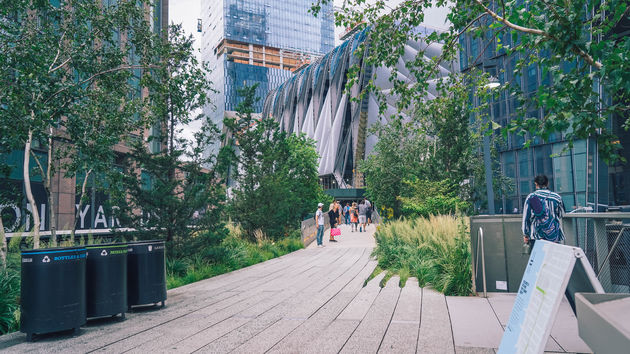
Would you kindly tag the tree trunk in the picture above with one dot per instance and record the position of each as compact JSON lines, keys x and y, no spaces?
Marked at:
{"x":53,"y":219}
{"x":47,"y":183}
{"x":77,"y":212}
{"x":46,"y":179}
{"x":27,"y":187}
{"x":3,"y":246}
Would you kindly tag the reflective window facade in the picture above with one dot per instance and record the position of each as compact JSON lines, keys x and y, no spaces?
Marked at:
{"x":577,"y":173}
{"x":266,"y":34}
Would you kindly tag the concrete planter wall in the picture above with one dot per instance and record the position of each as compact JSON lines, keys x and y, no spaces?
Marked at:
{"x":604,"y":238}
{"x":503,"y":250}
{"x":309,"y":229}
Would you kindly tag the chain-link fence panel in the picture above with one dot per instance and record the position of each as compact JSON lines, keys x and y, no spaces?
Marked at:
{"x":605,"y":239}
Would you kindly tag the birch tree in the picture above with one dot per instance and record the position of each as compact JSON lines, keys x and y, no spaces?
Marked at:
{"x":59,"y":60}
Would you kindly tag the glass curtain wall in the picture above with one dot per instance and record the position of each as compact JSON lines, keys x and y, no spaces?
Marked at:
{"x":576,"y":173}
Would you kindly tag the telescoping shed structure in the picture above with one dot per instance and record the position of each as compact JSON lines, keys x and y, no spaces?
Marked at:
{"x":314,"y":102}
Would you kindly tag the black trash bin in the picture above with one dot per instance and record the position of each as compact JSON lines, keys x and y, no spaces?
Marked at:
{"x":53,"y":290}
{"x":146,"y":273}
{"x":106,"y":280}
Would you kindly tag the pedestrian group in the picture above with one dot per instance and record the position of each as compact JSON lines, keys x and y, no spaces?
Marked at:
{"x":358,"y":216}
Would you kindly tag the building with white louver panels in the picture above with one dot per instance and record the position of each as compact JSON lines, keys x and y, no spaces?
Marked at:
{"x":314,"y":102}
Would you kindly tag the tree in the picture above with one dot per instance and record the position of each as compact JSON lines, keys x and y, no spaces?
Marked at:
{"x":164,"y":175}
{"x":578,"y":44}
{"x":94,"y":127}
{"x":275,"y":172}
{"x":425,"y":163}
{"x":5,"y":198}
{"x":8,"y":142}
{"x":59,"y":63}
{"x":432,"y":197}
{"x":398,"y":155}
{"x":446,"y":119}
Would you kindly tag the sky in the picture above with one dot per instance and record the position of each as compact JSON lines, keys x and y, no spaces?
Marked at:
{"x":186,"y":13}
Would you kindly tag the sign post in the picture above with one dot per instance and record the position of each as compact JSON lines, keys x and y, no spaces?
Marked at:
{"x":550,"y":270}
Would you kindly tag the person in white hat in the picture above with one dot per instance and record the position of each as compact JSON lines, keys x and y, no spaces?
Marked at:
{"x":319,"y":221}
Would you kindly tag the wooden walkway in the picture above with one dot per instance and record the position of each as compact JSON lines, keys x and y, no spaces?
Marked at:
{"x":310,"y":301}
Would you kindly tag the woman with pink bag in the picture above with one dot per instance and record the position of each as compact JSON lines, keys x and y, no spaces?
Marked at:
{"x":333,"y":215}
{"x":354,"y":216}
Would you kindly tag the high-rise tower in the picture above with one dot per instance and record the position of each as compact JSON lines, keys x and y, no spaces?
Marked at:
{"x":258,"y":41}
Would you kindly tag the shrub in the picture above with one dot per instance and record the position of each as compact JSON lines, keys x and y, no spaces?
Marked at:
{"x":10,"y":289}
{"x":424,"y":198}
{"x":9,"y":307}
{"x":436,"y":250}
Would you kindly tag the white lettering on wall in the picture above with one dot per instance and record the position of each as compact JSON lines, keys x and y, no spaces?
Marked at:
{"x":42,"y":217}
{"x":18,"y":216}
{"x":100,"y":218}
{"x":82,"y":214}
{"x":112,"y":220}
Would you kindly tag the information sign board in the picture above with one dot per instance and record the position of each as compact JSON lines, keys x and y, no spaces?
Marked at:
{"x":542,"y":288}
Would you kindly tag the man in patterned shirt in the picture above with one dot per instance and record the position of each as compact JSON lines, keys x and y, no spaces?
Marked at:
{"x":542,"y":214}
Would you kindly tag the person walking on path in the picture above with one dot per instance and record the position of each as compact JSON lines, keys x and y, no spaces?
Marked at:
{"x":333,"y":215}
{"x":339,"y":211}
{"x":346,"y":213}
{"x":319,"y":221}
{"x":362,"y":216}
{"x":542,"y":214}
{"x":368,"y":211}
{"x":354,"y":216}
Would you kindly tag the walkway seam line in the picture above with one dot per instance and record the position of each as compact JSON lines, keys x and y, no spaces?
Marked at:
{"x":198,"y":309}
{"x":391,"y":317}
{"x":274,"y":306}
{"x":331,"y":298}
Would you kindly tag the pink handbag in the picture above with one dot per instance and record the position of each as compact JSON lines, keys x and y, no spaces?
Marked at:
{"x":335,"y":232}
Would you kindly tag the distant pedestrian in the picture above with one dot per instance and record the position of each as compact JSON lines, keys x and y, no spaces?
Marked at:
{"x":368,"y":211}
{"x":333,"y":216}
{"x":339,"y":212}
{"x":346,"y":213}
{"x":542,"y":214}
{"x":362,"y":216}
{"x":354,"y":216}
{"x":319,"y":221}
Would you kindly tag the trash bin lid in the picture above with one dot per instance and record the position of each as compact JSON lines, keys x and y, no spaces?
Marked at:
{"x":54,"y":250}
{"x":107,"y":249}
{"x":145,"y":246}
{"x":46,"y":255}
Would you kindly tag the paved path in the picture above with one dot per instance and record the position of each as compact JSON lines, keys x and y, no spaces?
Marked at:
{"x":310,"y":301}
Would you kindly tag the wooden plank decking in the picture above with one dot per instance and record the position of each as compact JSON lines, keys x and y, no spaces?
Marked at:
{"x":310,"y":301}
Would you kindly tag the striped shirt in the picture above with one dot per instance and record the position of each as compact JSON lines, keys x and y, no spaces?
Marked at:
{"x":553,"y":202}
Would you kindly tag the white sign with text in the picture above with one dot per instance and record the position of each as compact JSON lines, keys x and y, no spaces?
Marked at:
{"x":543,"y":286}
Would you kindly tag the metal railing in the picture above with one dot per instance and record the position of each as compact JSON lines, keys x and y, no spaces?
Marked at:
{"x":483,"y":262}
{"x":376,"y":217}
{"x":605,"y":239}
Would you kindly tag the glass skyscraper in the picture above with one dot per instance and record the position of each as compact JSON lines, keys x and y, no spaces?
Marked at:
{"x":259,"y":41}
{"x":578,"y":174}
